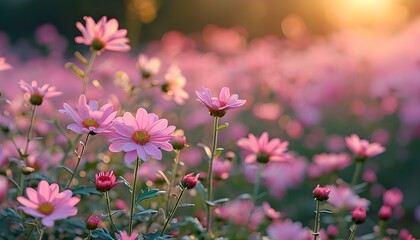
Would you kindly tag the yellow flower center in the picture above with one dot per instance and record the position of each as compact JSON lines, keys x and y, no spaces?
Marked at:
{"x":140,"y":137}
{"x":46,"y":208}
{"x":90,"y":123}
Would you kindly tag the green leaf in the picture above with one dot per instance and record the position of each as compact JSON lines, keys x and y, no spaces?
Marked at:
{"x":218,"y":152}
{"x":200,"y":188}
{"x":186,"y":205}
{"x":40,"y":176}
{"x":85,"y":191}
{"x":196,"y":225}
{"x":141,"y":215}
{"x":79,"y":72}
{"x":67,"y":169}
{"x":148,"y":193}
{"x":206,"y":150}
{"x":360,"y":187}
{"x":126,"y":183}
{"x":326,"y":211}
{"x":221,"y":200}
{"x":11,"y":215}
{"x":225,"y":125}
{"x":101,"y":233}
{"x":156,"y":236}
{"x":80,"y":57}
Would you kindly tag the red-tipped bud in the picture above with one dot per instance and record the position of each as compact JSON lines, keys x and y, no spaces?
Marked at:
{"x":385,"y":212}
{"x":321,"y":193}
{"x":189,"y":181}
{"x":105,"y":181}
{"x":358,"y":215}
{"x":92,"y":222}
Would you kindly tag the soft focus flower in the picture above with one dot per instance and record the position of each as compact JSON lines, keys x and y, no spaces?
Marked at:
{"x":332,"y":162}
{"x":103,"y":35}
{"x":37,"y":94}
{"x":369,"y":176}
{"x":343,"y":197}
{"x":362,"y":148}
{"x":321,"y":193}
{"x":142,"y":136}
{"x":105,"y":181}
{"x":263,"y":150}
{"x":237,"y":212}
{"x":218,"y":106}
{"x":358,"y":215}
{"x":124,"y":236}
{"x":333,"y":231}
{"x":221,"y":168}
{"x":174,"y":85}
{"x":385,"y":212}
{"x":270,"y":212}
{"x":89,"y":118}
{"x":4,"y":65}
{"x":148,"y":67}
{"x":92,"y":222}
{"x":4,"y":187}
{"x":288,"y":230}
{"x":189,"y":181}
{"x":405,"y":235}
{"x":393,"y":197}
{"x":178,"y":141}
{"x":47,"y":203}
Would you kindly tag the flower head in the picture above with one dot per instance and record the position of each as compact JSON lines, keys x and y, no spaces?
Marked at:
{"x":362,"y":148}
{"x":385,"y":212}
{"x":288,"y":230}
{"x":270,"y":212}
{"x":332,"y":162}
{"x":37,"y":94}
{"x":92,"y":222}
{"x":124,"y":236}
{"x":148,"y":67}
{"x":141,"y":136}
{"x":89,"y":118}
{"x":48,"y":204}
{"x":321,"y":193}
{"x":174,"y":85}
{"x":218,"y":106}
{"x":189,"y":181}
{"x":263,"y":150}
{"x":4,"y":65}
{"x":343,"y":197}
{"x":179,"y":141}
{"x":358,"y":215}
{"x":393,"y":197}
{"x":105,"y":181}
{"x":103,"y":35}
{"x":222,"y":168}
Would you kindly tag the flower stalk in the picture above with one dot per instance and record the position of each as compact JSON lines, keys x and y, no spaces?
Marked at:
{"x":173,"y":176}
{"x":133,"y":195}
{"x":352,"y":231}
{"x":173,"y":211}
{"x":79,"y":157}
{"x":88,"y":70}
{"x":357,"y":172}
{"x":108,"y":204}
{"x":258,"y":182}
{"x":317,"y":221}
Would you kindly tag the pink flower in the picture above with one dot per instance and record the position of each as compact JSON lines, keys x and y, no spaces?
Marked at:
{"x":92,"y":222}
{"x":88,"y":118}
{"x":344,"y":197}
{"x":393,"y":197}
{"x":321,"y":193}
{"x":105,"y":181}
{"x":288,"y":230}
{"x":221,"y":168}
{"x":174,"y":85}
{"x":4,"y":187}
{"x":332,"y":162}
{"x":103,"y":35}
{"x":362,"y":148}
{"x":218,"y":106}
{"x":142,"y":136}
{"x":358,"y":215}
{"x":37,"y":94}
{"x":124,"y":236}
{"x":189,"y":181}
{"x":47,"y":203}
{"x":270,"y":212}
{"x":4,"y":65}
{"x":262,"y":150}
{"x":148,"y":67}
{"x":385,"y":212}
{"x":178,"y":141}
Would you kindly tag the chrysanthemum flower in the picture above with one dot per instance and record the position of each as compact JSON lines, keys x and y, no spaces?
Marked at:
{"x":105,"y":181}
{"x":148,"y":67}
{"x":4,"y":65}
{"x":362,"y":148}
{"x":103,"y":35}
{"x":174,"y":85}
{"x":262,"y":150}
{"x":37,"y":94}
{"x":88,"y":118}
{"x":218,"y":106}
{"x":124,"y":236}
{"x":332,"y":162}
{"x":142,"y":136}
{"x":48,"y":204}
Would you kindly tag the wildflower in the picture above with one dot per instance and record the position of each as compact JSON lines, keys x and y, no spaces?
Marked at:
{"x":178,"y":141}
{"x":321,"y":193}
{"x":262,"y":150}
{"x":103,"y":35}
{"x":88,"y":118}
{"x":222,"y":168}
{"x":270,"y":212}
{"x":124,"y":236}
{"x":47,"y":203}
{"x":332,"y":231}
{"x":219,"y":106}
{"x":369,"y":176}
{"x":4,"y":187}
{"x":174,"y":85}
{"x":332,"y":162}
{"x":189,"y":181}
{"x":343,"y":197}
{"x":142,"y":136}
{"x":148,"y":67}
{"x":288,"y":230}
{"x":362,"y":148}
{"x":358,"y":215}
{"x":92,"y":222}
{"x":37,"y":94}
{"x":4,"y":65}
{"x":393,"y":197}
{"x":385,"y":212}
{"x":105,"y":181}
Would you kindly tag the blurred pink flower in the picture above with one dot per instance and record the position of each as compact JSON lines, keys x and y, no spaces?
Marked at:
{"x":89,"y":118}
{"x":47,"y":203}
{"x":385,"y":212}
{"x":218,"y":106}
{"x":37,"y":94}
{"x":362,"y":148}
{"x":148,"y":67}
{"x":237,"y":212}
{"x":4,"y":187}
{"x":358,"y":215}
{"x":4,"y":65}
{"x":332,"y":162}
{"x":103,"y":35}
{"x":393,"y":197}
{"x":321,"y":193}
{"x":142,"y":136}
{"x":124,"y":236}
{"x":288,"y":230}
{"x":174,"y":85}
{"x":343,"y":197}
{"x":263,"y":150}
{"x":270,"y":212}
{"x":221,"y":168}
{"x":189,"y":181}
{"x":369,"y":176}
{"x":105,"y":181}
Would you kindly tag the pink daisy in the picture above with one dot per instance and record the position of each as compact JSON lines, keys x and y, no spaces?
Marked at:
{"x":48,"y":204}
{"x":174,"y":85}
{"x":262,"y":150}
{"x":288,"y":230}
{"x":103,"y":35}
{"x":37,"y":94}
{"x":393,"y":197}
{"x":88,"y":118}
{"x":332,"y":162}
{"x":218,"y":106}
{"x":142,"y":136}
{"x":4,"y":65}
{"x":362,"y":148}
{"x":124,"y":236}
{"x":148,"y":67}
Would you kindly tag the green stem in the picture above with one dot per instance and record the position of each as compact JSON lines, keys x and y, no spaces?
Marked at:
{"x":29,"y":132}
{"x":41,"y":234}
{"x":133,"y":195}
{"x":29,"y":234}
{"x":381,"y":229}
{"x":357,"y":172}
{"x":210,"y":173}
{"x":87,"y":71}
{"x":173,"y":212}
{"x":352,"y":231}
{"x":89,"y":233}
{"x":173,"y":176}
{"x":317,"y":221}
{"x":258,"y":182}
{"x":108,"y":203}
{"x":79,"y":157}
{"x":22,"y":184}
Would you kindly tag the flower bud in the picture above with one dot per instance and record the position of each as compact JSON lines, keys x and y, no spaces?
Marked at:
{"x":358,"y":215}
{"x":321,"y":193}
{"x":105,"y":181}
{"x":92,"y":222}
{"x":189,"y":181}
{"x":385,"y":212}
{"x":27,"y":170}
{"x":332,"y":231}
{"x":178,"y":141}
{"x":393,"y":197}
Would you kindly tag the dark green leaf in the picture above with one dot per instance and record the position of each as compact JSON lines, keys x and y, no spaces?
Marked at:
{"x":67,"y":169}
{"x":141,"y":215}
{"x":200,"y":188}
{"x":40,"y":176}
{"x":101,"y":233}
{"x":85,"y":191}
{"x":155,"y":236}
{"x":126,"y":183}
{"x":148,"y":193}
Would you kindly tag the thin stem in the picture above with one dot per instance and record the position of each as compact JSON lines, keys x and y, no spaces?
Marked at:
{"x":210,"y":173}
{"x":258,"y":182}
{"x":29,"y":132}
{"x":357,"y":172}
{"x":89,"y":233}
{"x":381,"y":228}
{"x":29,"y":234}
{"x":352,"y":231}
{"x":87,"y":71}
{"x":133,"y":195}
{"x":108,"y":203}
{"x":79,"y":157}
{"x":41,"y":234}
{"x":22,"y":184}
{"x":173,"y":211}
{"x":173,"y":176}
{"x":317,"y":221}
